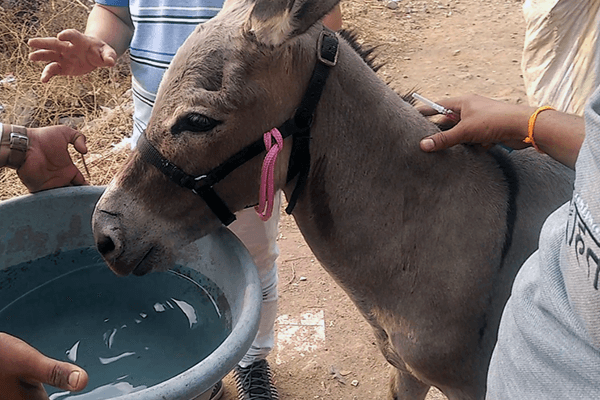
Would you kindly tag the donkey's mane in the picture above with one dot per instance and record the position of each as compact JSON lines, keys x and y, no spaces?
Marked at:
{"x":367,"y":53}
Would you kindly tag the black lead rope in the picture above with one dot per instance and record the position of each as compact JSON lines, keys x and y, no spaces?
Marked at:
{"x":298,"y":127}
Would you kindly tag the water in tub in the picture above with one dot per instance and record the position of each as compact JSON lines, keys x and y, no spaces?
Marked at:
{"x":127,"y":333}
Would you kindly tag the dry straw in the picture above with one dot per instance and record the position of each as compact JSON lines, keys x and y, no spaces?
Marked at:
{"x":99,"y":104}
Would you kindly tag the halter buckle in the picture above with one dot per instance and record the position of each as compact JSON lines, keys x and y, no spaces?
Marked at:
{"x":327,"y":48}
{"x":198,"y":180}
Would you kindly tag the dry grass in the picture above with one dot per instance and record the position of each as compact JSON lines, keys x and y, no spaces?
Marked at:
{"x":99,"y":104}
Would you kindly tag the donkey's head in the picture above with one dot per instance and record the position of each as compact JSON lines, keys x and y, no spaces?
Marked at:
{"x":235,"y":78}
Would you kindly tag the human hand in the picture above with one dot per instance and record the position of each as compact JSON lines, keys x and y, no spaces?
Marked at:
{"x":48,"y":163}
{"x":480,"y":121}
{"x":24,"y":370}
{"x":71,"y":53}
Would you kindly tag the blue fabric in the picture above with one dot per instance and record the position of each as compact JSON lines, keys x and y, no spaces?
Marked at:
{"x":549,"y":339}
{"x":161,"y":27}
{"x":114,"y":3}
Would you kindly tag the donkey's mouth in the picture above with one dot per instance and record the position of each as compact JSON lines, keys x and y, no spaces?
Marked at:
{"x":143,"y":267}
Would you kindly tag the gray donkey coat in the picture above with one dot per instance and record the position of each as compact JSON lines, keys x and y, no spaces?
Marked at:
{"x":425,"y":245}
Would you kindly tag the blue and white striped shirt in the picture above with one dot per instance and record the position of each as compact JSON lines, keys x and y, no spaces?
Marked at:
{"x":161,"y":27}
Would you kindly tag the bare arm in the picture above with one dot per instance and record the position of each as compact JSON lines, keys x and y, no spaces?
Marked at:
{"x":108,"y":34}
{"x":333,"y":20}
{"x":487,"y":122}
{"x":112,"y":25}
{"x":560,"y":135}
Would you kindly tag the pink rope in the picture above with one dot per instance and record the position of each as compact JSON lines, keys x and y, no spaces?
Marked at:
{"x":267,"y":180}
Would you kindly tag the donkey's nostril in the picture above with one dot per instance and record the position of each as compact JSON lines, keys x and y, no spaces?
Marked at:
{"x":105,"y":245}
{"x":107,"y":234}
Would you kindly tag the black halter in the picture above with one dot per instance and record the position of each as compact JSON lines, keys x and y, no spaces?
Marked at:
{"x":298,"y":127}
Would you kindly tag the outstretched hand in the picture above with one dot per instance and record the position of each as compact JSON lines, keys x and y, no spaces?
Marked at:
{"x":24,"y":370}
{"x":48,"y":163}
{"x":71,"y":53}
{"x":481,"y":121}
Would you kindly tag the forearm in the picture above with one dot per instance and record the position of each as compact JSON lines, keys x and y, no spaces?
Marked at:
{"x":486,"y":121}
{"x":333,"y":20}
{"x":560,"y":135}
{"x":555,"y":133}
{"x":112,"y":25}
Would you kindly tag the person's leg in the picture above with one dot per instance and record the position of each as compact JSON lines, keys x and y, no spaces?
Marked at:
{"x":252,"y":374}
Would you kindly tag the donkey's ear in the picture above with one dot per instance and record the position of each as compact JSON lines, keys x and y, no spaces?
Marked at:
{"x":274,"y":21}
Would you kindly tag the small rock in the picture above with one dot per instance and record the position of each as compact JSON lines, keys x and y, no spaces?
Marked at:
{"x":391,"y":4}
{"x":456,"y":52}
{"x":354,"y":382}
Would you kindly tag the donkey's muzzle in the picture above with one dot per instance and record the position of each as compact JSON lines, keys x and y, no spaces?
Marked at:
{"x":108,"y":237}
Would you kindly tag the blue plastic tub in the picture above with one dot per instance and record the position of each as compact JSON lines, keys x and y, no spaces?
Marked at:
{"x":57,"y":222}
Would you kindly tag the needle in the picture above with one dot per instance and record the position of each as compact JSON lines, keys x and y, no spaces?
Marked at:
{"x":437,"y":107}
{"x":448,"y":113}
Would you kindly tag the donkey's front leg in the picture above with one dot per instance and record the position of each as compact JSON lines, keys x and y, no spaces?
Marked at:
{"x":404,"y":386}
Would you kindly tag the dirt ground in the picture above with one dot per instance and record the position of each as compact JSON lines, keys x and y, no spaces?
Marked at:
{"x":325,"y":350}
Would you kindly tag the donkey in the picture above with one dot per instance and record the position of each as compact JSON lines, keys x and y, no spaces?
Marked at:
{"x":425,"y":245}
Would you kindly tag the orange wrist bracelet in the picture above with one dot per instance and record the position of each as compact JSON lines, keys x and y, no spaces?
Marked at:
{"x":531,"y":124}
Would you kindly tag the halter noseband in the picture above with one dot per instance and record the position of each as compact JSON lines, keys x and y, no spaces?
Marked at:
{"x":298,"y":127}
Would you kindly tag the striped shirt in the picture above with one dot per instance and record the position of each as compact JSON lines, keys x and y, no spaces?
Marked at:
{"x":161,"y":27}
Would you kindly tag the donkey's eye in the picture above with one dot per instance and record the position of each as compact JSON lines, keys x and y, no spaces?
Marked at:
{"x":194,"y":122}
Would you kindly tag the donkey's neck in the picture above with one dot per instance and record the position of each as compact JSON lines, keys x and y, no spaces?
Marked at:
{"x":367,"y":169}
{"x":364,"y":119}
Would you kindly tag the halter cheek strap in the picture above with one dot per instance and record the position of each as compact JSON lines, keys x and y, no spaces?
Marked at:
{"x":299,"y":126}
{"x":200,"y":185}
